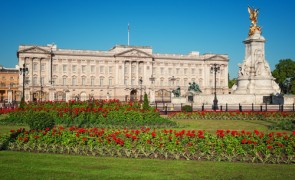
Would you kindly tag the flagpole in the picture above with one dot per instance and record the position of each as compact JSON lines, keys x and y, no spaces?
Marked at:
{"x":128,"y":33}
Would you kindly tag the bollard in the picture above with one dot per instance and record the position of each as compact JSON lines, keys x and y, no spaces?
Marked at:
{"x":166,"y":112}
{"x":180,"y":106}
{"x":226,"y":107}
{"x":240,"y":107}
{"x":203,"y":107}
{"x":265,"y":106}
{"x":192,"y":107}
{"x":252,"y":107}
{"x":221,"y":108}
{"x":261,"y":108}
{"x":282,"y":108}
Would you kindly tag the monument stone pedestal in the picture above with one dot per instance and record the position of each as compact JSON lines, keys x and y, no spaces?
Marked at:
{"x":254,"y":74}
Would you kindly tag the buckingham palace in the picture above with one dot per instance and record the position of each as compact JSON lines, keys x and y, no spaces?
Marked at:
{"x":123,"y":72}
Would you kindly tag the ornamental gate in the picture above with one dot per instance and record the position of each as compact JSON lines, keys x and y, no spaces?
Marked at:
{"x":163,"y":96}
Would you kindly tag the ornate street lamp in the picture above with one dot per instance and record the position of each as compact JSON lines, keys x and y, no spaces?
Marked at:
{"x":23,"y":71}
{"x":41,"y":92}
{"x":172,"y":79}
{"x":215,"y":68}
{"x":152,"y":78}
{"x":140,"y":82}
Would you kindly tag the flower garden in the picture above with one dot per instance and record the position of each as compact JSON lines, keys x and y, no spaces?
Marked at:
{"x":112,"y":128}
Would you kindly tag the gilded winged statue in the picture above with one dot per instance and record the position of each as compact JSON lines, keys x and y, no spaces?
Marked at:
{"x":253,"y":17}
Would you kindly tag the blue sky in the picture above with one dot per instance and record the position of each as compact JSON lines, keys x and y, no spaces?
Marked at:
{"x":169,"y":26}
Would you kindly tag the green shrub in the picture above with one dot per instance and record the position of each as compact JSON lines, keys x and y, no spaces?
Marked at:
{"x":22,"y":103}
{"x":39,"y":120}
{"x":284,"y":125}
{"x":186,"y":108}
{"x":145,"y":102}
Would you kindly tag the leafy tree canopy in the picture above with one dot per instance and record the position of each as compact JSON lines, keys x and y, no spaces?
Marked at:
{"x":285,"y":69}
{"x":231,"y":82}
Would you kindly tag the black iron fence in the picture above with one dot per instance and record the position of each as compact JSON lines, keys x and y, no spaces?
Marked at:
{"x":169,"y":107}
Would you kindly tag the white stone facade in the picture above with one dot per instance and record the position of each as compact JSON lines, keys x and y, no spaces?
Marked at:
{"x":65,"y":74}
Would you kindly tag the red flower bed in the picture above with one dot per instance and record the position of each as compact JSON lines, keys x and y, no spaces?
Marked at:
{"x":224,"y":145}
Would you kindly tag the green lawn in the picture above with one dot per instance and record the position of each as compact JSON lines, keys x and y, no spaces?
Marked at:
{"x":21,"y":165}
{"x":213,"y":125}
{"x":208,"y":125}
{"x":6,"y":128}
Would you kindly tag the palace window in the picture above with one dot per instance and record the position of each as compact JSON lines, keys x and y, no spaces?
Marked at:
{"x":34,"y":81}
{"x":101,"y":81}
{"x":92,"y":81}
{"x":35,"y":67}
{"x":74,"y":81}
{"x":154,"y":71}
{"x":221,"y":72}
{"x":133,"y":69}
{"x":92,"y":69}
{"x":177,"y":70}
{"x":74,"y":68}
{"x":42,"y":80}
{"x":200,"y":82}
{"x":64,"y":81}
{"x":54,"y":68}
{"x":193,"y":71}
{"x":101,"y":69}
{"x":83,"y":81}
{"x":110,"y":70}
{"x":185,"y":71}
{"x":110,"y":82}
{"x":170,"y":71}
{"x":83,"y":69}
{"x":64,"y":68}
{"x":162,"y":71}
{"x":126,"y":70}
{"x":185,"y":82}
{"x":200,"y":72}
{"x":125,"y":82}
{"x":42,"y":67}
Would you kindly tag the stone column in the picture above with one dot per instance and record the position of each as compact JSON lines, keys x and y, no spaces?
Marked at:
{"x":68,"y":96}
{"x":137,"y":73}
{"x":130,"y":72}
{"x":116,"y":73}
{"x":9,"y":96}
{"x":51,"y":93}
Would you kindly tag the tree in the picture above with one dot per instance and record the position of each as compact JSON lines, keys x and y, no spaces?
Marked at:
{"x":231,"y":82}
{"x":285,"y":69}
{"x":145,"y":102}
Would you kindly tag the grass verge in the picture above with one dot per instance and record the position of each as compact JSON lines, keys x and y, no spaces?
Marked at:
{"x":22,"y":165}
{"x":213,"y":125}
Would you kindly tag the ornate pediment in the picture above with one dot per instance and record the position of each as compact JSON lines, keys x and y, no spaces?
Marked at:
{"x":134,"y":53}
{"x":34,"y":49}
{"x":217,"y":58}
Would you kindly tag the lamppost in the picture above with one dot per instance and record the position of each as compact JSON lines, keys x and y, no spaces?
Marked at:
{"x":152,"y":78}
{"x":215,"y":68}
{"x":172,"y":79}
{"x":140,"y":82}
{"x":23,"y":71}
{"x":41,"y":92}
